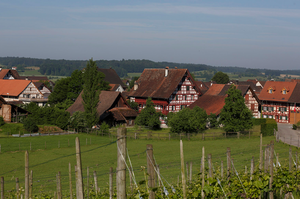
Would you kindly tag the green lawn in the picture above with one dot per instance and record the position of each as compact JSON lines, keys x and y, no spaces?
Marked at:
{"x":101,"y":154}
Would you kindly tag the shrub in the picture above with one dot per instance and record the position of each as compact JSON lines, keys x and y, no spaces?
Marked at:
{"x":29,"y":124}
{"x":259,"y":121}
{"x":267,"y":129}
{"x":1,"y":121}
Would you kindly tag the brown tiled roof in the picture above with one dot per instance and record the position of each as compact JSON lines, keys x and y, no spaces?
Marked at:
{"x":295,"y":96}
{"x":107,"y":99}
{"x":277,"y":94}
{"x":210,"y":103}
{"x":242,"y":88}
{"x":202,"y":86}
{"x":120,"y":113}
{"x":13,"y":87}
{"x":215,"y":89}
{"x":112,"y":77}
{"x":153,"y":83}
{"x":14,"y":73}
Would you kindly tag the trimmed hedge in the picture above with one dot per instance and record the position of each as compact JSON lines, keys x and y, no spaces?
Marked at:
{"x":259,"y":121}
{"x":267,"y":128}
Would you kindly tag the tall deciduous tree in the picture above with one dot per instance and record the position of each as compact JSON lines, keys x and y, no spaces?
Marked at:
{"x":235,"y":116}
{"x":93,"y":84}
{"x":220,"y":78}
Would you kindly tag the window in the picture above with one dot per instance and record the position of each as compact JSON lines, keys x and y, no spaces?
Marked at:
{"x":270,"y":108}
{"x":265,"y":108}
{"x":280,"y":117}
{"x":182,"y":107}
{"x":264,"y":116}
{"x":24,"y":95}
{"x":179,"y":88}
{"x":271,"y":116}
{"x":176,"y":97}
{"x":192,"y":97}
{"x":184,"y":97}
{"x":270,"y":90}
{"x":173,"y":108}
{"x":279,"y":108}
{"x":187,"y":88}
{"x":284,"y":91}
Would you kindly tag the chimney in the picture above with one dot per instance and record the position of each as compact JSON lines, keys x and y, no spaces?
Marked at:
{"x":201,"y":85}
{"x":166,"y":71}
{"x":211,"y":83}
{"x":26,"y":78}
{"x":0,"y":68}
{"x":135,"y":86}
{"x":175,"y":67}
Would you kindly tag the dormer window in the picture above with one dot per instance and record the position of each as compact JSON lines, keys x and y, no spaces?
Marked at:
{"x":284,"y":91}
{"x":270,"y":90}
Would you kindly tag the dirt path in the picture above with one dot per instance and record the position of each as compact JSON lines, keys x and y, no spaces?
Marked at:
{"x":288,"y":135}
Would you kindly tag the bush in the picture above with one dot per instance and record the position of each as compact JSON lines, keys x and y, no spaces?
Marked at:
{"x":267,"y":129}
{"x":259,"y":121}
{"x":29,"y":124}
{"x":1,"y":121}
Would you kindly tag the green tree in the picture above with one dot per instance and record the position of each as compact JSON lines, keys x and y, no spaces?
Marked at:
{"x":93,"y":84}
{"x":148,"y":116}
{"x":77,"y":120}
{"x":212,"y":119}
{"x":187,"y":120}
{"x":235,"y":116}
{"x":2,"y":122}
{"x":220,"y":78}
{"x":30,"y":125}
{"x":131,"y":83}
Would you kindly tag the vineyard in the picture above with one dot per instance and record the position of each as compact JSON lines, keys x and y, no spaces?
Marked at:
{"x":222,"y":178}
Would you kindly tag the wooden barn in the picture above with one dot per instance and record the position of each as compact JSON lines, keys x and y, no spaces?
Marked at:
{"x":112,"y":108}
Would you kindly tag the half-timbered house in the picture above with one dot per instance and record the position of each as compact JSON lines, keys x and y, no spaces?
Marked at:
{"x":170,"y":89}
{"x":21,"y":91}
{"x":281,"y":101}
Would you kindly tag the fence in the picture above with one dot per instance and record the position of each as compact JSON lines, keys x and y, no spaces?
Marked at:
{"x":49,"y":182}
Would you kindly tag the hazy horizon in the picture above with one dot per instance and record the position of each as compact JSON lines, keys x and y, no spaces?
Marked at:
{"x":256,"y":34}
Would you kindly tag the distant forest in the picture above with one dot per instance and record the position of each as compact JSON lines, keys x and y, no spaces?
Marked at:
{"x":122,"y":67}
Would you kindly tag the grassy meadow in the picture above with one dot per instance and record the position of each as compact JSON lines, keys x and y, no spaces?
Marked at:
{"x":100,"y":153}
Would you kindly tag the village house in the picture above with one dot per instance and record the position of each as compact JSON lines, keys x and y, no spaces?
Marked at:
{"x":8,"y":74}
{"x":22,"y":91}
{"x":112,"y":108}
{"x":11,"y":112}
{"x":214,"y":99}
{"x":281,"y":101}
{"x":171,"y":90}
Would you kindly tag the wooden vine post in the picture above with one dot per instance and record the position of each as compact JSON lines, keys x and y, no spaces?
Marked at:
{"x":203,"y":173}
{"x":70,"y":181}
{"x":121,"y":167}
{"x":18,"y":188}
{"x":191,"y":172}
{"x":228,"y":162}
{"x":111,"y":190}
{"x":290,"y":159}
{"x":2,"y":187}
{"x":209,"y":165}
{"x":271,"y":169}
{"x":26,"y":175}
{"x":182,"y":170}
{"x":150,"y":170}
{"x":79,"y":180}
{"x":260,"y":154}
{"x":95,"y":182}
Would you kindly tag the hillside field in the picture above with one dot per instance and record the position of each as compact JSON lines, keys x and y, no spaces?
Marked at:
{"x":100,"y":153}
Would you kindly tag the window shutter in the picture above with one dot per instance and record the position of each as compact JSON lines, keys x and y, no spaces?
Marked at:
{"x":279,"y":110}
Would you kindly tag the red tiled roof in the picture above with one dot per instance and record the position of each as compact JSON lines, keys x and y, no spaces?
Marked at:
{"x":13,"y":87}
{"x":202,"y":86}
{"x":153,"y":83}
{"x":277,"y":94}
{"x":14,"y":73}
{"x":210,"y":103}
{"x":114,"y":86}
{"x":215,"y":89}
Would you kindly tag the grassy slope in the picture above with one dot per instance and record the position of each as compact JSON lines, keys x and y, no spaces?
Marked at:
{"x":46,"y":163}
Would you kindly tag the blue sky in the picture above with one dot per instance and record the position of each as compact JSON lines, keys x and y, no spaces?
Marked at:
{"x":254,"y":34}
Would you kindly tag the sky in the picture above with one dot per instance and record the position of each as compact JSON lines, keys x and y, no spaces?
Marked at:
{"x":252,"y":34}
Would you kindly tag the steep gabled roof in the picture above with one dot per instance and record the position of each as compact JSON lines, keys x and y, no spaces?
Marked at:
{"x":114,"y":87}
{"x":13,"y":87}
{"x":111,"y":76}
{"x":277,"y":88}
{"x":106,"y":100}
{"x":153,"y":83}
{"x":210,"y":103}
{"x":202,"y":86}
{"x":215,"y":89}
{"x":14,"y":73}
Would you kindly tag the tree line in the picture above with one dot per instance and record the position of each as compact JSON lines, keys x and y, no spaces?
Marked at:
{"x":123,"y":67}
